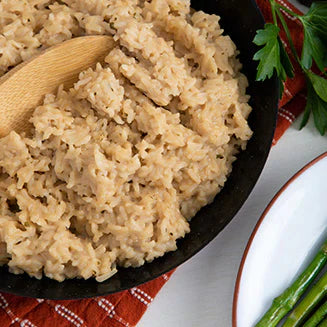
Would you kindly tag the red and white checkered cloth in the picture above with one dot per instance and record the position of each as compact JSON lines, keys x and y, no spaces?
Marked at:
{"x":126,"y":308}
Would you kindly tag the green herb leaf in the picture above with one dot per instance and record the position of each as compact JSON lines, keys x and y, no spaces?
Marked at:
{"x":287,"y":66}
{"x":313,"y":48}
{"x":307,"y":112}
{"x":272,"y":57}
{"x":318,"y":107}
{"x":317,"y":14}
{"x":319,"y":84}
{"x":269,"y":55}
{"x":285,"y":60}
{"x":315,"y":36}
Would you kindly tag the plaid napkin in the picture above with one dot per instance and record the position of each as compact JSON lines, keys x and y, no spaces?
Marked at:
{"x":125,"y":309}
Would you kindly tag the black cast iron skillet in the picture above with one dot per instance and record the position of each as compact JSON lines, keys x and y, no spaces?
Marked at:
{"x":240,"y":19}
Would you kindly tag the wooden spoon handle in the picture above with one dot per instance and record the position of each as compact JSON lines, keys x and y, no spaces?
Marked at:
{"x":24,"y":87}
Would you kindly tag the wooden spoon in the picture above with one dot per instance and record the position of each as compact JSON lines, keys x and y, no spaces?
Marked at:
{"x":24,"y":87}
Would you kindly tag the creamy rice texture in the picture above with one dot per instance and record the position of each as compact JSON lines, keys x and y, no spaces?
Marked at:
{"x":117,"y":166}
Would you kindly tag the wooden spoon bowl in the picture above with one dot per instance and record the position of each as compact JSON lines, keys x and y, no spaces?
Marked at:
{"x":24,"y":87}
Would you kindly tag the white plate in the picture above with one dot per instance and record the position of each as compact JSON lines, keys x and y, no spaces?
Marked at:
{"x":286,"y":237}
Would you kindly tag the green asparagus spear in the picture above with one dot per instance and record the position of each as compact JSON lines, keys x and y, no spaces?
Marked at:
{"x":315,"y":295}
{"x":323,"y":323}
{"x":287,"y":300}
{"x":317,"y":317}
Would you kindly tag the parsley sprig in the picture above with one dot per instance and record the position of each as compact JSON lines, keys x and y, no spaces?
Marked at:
{"x":273,"y":56}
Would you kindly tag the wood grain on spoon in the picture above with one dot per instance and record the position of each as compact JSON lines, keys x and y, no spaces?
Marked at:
{"x":24,"y":87}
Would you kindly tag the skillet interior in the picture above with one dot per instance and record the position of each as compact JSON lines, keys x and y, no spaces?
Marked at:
{"x":240,"y":20}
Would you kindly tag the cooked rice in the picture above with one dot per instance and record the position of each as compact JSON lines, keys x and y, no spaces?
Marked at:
{"x":117,"y":165}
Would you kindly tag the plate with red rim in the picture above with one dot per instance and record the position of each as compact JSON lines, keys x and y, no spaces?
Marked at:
{"x":283,"y":242}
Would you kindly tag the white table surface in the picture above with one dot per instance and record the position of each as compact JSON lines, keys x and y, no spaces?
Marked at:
{"x":200,"y":292}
